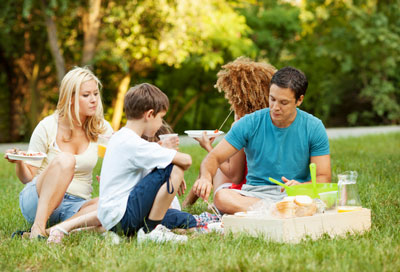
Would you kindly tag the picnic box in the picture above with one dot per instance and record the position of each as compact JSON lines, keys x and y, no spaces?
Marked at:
{"x":294,"y":229}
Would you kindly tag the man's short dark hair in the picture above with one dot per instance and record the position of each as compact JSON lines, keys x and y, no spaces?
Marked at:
{"x":144,"y":97}
{"x":292,"y":78}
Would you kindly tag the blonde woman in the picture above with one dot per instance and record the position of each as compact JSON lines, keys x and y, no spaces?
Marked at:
{"x":59,"y":186}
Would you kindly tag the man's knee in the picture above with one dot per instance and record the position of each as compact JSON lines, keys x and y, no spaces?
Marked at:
{"x":65,"y":161}
{"x":221,"y":198}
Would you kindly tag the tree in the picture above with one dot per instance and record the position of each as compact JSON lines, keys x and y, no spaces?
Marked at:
{"x":350,"y":51}
{"x":140,"y":35}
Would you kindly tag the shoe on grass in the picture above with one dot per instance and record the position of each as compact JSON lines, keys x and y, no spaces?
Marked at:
{"x":111,"y":237}
{"x":160,"y":234}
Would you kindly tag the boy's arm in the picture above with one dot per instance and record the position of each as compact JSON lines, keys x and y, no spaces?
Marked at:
{"x":182,"y":160}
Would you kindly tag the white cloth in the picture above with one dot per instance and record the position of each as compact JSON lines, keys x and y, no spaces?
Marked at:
{"x":43,"y":139}
{"x":128,"y":159}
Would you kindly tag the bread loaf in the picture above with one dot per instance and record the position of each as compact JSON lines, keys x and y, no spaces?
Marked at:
{"x":297,"y":206}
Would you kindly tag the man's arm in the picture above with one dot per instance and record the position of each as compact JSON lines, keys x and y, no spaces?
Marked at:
{"x":222,"y":152}
{"x":323,"y":164}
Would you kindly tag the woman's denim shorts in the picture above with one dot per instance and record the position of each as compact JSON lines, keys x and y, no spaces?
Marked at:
{"x":29,"y":198}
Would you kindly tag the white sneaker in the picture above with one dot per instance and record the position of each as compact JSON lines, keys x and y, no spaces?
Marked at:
{"x":112,"y":238}
{"x":160,"y":234}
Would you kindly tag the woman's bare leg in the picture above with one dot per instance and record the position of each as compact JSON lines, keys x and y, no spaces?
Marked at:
{"x":51,"y":187}
{"x":85,"y":220}
{"x":89,"y":207}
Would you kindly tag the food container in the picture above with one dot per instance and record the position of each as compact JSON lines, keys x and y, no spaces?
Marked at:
{"x":329,"y":199}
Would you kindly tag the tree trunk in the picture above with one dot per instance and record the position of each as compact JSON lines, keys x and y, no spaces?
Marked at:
{"x":187,"y":106}
{"x":53,"y":41}
{"x":91,"y":25}
{"x":34,"y":105}
{"x":119,"y":103}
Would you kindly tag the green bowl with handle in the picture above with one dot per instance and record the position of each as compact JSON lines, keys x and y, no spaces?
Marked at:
{"x":307,"y":189}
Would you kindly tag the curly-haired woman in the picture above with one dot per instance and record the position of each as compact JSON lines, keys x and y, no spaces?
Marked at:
{"x":245,"y":84}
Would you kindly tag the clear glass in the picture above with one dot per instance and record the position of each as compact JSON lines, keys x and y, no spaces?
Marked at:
{"x":348,"y":198}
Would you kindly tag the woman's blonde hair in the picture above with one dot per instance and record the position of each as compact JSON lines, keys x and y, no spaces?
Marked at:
{"x":69,"y":89}
{"x":245,"y":84}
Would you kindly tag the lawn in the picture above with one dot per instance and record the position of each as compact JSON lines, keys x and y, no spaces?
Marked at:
{"x":376,"y":158}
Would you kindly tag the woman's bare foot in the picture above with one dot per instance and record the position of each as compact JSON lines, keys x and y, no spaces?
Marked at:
{"x":56,"y":235}
{"x":37,"y":232}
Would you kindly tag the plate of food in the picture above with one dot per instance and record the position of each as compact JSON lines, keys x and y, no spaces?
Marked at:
{"x":199,"y":133}
{"x":26,"y":155}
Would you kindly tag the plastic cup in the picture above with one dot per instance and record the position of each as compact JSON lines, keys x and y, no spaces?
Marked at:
{"x":329,"y":198}
{"x":166,"y":136}
{"x":102,"y":146}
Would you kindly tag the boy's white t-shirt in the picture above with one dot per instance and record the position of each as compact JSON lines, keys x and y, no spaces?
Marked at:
{"x":128,"y":159}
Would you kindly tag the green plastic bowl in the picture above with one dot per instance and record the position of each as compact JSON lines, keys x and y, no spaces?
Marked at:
{"x":307,"y":189}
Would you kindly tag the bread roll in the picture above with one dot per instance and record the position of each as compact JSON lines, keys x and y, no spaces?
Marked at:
{"x":297,"y":206}
{"x":303,"y":200}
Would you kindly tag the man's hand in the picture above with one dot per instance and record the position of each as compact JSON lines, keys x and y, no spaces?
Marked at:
{"x":202,"y":188}
{"x":289,"y":182}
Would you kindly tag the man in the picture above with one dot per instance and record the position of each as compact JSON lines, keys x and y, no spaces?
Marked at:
{"x":279,"y":142}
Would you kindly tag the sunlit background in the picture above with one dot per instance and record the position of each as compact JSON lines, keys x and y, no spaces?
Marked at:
{"x":349,"y":50}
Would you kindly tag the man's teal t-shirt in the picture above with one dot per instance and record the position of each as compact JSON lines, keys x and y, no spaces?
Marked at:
{"x":276,"y":152}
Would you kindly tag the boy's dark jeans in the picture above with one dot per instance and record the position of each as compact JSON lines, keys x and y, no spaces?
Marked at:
{"x":141,"y":200}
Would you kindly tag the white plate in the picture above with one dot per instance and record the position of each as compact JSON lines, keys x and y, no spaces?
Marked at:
{"x":248,"y":213}
{"x":199,"y":133}
{"x":18,"y":157}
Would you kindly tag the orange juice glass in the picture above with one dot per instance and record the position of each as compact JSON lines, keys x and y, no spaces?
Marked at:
{"x":102,"y":146}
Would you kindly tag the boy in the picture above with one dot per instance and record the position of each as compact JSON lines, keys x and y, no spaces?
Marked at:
{"x":139,"y":179}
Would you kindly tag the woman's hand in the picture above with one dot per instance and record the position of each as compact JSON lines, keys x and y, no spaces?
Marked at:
{"x":205,"y":142}
{"x":13,"y":151}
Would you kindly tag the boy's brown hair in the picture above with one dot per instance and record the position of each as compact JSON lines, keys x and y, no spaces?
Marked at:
{"x":144,"y":97}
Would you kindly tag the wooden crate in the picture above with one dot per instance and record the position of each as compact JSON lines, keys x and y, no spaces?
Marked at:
{"x":294,"y":229}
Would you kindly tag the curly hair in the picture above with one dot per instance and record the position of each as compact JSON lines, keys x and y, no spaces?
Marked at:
{"x":245,"y":84}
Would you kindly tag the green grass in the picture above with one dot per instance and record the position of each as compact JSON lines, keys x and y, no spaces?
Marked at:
{"x":376,"y":158}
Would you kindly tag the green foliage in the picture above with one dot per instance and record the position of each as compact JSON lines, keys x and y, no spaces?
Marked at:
{"x":350,"y":52}
{"x":374,"y":157}
{"x":275,"y":26}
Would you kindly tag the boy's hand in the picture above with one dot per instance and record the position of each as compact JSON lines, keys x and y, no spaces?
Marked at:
{"x":202,"y":188}
{"x":171,"y":143}
{"x":182,"y":188}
